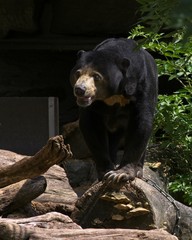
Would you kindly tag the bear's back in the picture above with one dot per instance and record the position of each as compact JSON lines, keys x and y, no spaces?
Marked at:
{"x":121,"y":45}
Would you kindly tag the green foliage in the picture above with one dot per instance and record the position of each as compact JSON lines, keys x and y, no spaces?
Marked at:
{"x":182,"y":185}
{"x":156,"y":13}
{"x":159,"y":14}
{"x":173,"y":122}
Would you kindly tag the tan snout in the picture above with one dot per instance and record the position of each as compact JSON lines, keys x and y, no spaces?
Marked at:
{"x":85,"y":86}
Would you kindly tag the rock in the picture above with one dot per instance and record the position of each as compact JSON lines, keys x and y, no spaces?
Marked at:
{"x":80,"y":172}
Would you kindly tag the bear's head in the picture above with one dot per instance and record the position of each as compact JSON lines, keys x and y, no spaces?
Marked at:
{"x":98,"y":75}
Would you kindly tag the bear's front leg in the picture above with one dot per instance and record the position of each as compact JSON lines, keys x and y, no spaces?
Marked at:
{"x":137,"y":136}
{"x":95,"y":135}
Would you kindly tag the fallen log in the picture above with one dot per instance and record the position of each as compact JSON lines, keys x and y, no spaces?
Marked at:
{"x":58,"y":196}
{"x":132,"y":206}
{"x":19,"y":194}
{"x":23,"y":228}
{"x":57,"y":226}
{"x":137,"y":205}
{"x":55,"y":151}
{"x":104,"y":234}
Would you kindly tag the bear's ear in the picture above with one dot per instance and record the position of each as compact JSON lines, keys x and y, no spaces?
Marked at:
{"x":80,"y":53}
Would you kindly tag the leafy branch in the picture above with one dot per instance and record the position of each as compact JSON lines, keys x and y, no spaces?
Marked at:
{"x":173,"y":122}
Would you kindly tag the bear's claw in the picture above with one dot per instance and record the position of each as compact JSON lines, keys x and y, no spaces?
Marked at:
{"x":115,"y":177}
{"x":122,"y":175}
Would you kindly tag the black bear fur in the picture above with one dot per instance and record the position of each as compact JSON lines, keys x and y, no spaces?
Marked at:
{"x":116,"y":89}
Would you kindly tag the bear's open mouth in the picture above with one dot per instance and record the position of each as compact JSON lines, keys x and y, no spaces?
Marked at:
{"x":84,"y":101}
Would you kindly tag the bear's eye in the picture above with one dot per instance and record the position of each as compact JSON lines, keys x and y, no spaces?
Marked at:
{"x":97,"y":77}
{"x":77,"y":74}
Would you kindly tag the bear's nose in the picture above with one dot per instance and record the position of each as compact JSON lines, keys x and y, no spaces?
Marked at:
{"x":80,"y":91}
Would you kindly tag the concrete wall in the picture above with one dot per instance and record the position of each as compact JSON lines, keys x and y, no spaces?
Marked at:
{"x":39,"y":40}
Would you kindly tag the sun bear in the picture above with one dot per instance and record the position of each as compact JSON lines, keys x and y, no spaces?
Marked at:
{"x":115,"y":85}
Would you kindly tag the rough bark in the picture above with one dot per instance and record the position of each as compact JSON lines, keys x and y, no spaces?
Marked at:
{"x":106,"y":234}
{"x":135,"y":206}
{"x":57,"y":226}
{"x":53,"y":152}
{"x":19,"y":194}
{"x":58,"y":196}
{"x":45,"y":225}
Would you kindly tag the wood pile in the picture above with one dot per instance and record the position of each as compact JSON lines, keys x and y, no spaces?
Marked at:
{"x":37,"y":202}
